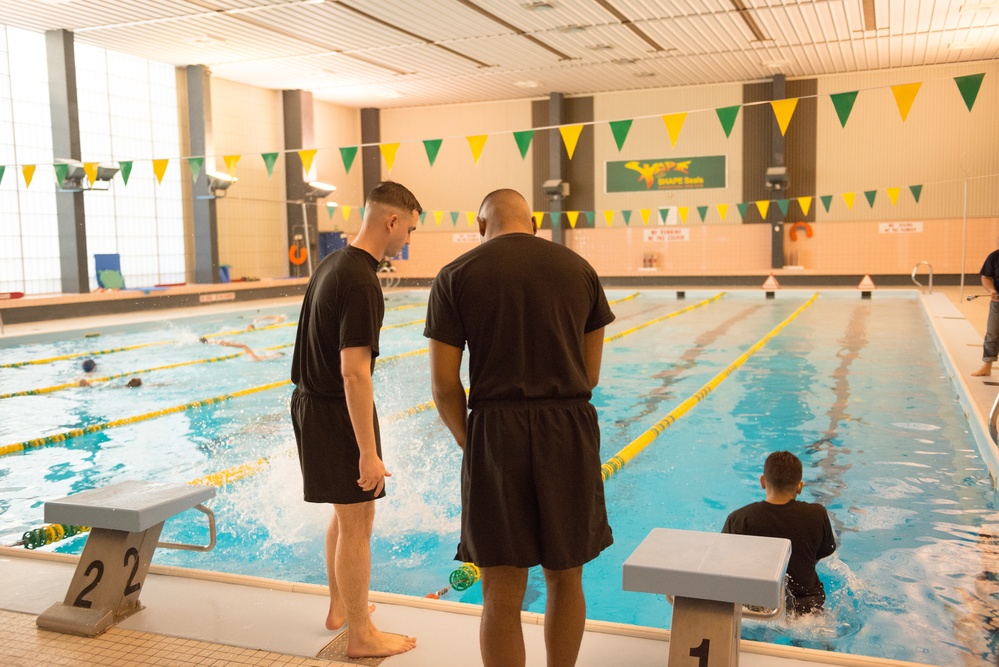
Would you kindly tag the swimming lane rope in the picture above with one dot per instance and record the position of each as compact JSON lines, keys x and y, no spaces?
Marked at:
{"x":618,"y":461}
{"x":76,"y":355}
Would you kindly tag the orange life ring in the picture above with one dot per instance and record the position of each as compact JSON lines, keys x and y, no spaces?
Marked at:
{"x":297,"y":255}
{"x":794,"y":230}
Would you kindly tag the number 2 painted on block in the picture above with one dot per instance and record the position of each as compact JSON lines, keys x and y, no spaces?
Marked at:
{"x":701,"y":653}
{"x":81,"y":601}
{"x":130,"y":587}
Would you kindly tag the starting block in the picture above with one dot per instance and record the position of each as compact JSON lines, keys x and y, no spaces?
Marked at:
{"x":711,"y":576}
{"x":126,"y":521}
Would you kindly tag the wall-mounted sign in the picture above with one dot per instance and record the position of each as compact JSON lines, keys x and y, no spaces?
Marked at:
{"x":465,"y":237}
{"x":667,"y":234}
{"x":218,"y":296}
{"x":900,"y":227}
{"x":685,"y":173}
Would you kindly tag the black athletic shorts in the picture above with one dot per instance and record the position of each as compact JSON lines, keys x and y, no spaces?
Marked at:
{"x":327,"y":450}
{"x":531,"y":490}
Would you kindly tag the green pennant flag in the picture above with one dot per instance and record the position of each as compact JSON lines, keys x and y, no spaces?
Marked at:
{"x":627,"y":217}
{"x":523,"y":141}
{"x":329,"y":209}
{"x":347,"y":154}
{"x":727,"y":116}
{"x":555,"y":215}
{"x":916,"y":190}
{"x":663,"y":214}
{"x":969,"y":86}
{"x":361,"y":211}
{"x":826,"y":200}
{"x":844,"y":105}
{"x":620,"y":129}
{"x":60,"y":172}
{"x":125,"y":167}
{"x":454,"y":218}
{"x":870,"y":194}
{"x":432,"y":146}
{"x":423,"y":216}
{"x":782,"y":205}
{"x":743,"y":207}
{"x":703,"y":212}
{"x":195,"y":164}
{"x":2,"y":169}
{"x":269,"y":160}
{"x":589,"y":217}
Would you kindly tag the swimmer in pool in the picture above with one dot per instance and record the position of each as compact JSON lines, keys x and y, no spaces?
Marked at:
{"x":246,"y":348}
{"x":89,"y":366}
{"x":266,"y":320}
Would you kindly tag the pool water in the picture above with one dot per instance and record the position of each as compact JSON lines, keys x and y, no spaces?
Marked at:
{"x":855,"y":388}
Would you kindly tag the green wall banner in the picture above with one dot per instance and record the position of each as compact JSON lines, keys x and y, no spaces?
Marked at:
{"x":685,"y":173}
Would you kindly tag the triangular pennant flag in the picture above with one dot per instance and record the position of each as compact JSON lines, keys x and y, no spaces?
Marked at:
{"x":523,"y":139}
{"x":805,"y":203}
{"x":269,"y":160}
{"x":763,"y":205}
{"x":230,"y":163}
{"x":682,"y":212}
{"x":916,"y":190}
{"x":555,"y":215}
{"x":572,"y":215}
{"x":570,"y":135}
{"x":893,"y":195}
{"x":782,"y":204}
{"x":195,"y":164}
{"x":703,"y":212}
{"x":306,"y":156}
{"x":159,"y":168}
{"x":470,"y":215}
{"x":848,"y":198}
{"x":627,"y":217}
{"x":90,"y":169}
{"x":2,"y":169}
{"x":589,"y":218}
{"x":663,"y":214}
{"x":620,"y":129}
{"x":645,"y":215}
{"x":437,"y":217}
{"x":330,"y":207}
{"x":609,"y":217}
{"x":361,"y":211}
{"x":722,"y":211}
{"x":539,"y":217}
{"x":126,"y":170}
{"x":60,"y":172}
{"x":388,"y":153}
{"x":826,"y":201}
{"x":476,"y":142}
{"x":454,"y":218}
{"x":346,"y":212}
{"x":969,"y":86}
{"x":783,"y":110}
{"x":905,"y":95}
{"x":743,"y":207}
{"x":727,"y":116}
{"x":347,"y":155}
{"x":28,"y":171}
{"x":843,"y":102}
{"x":432,"y":146}
{"x":674,"y":123}
{"x":423,"y":216}
{"x":870,"y":194}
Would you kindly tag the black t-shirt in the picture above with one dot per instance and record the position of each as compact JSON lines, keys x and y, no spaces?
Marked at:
{"x":343,"y":307}
{"x":522,"y":304}
{"x":990,"y":268}
{"x":805,"y":524}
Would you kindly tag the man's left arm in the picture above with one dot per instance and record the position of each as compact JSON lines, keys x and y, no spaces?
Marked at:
{"x":449,"y":393}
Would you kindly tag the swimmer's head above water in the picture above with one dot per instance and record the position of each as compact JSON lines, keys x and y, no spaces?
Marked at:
{"x":89,"y":365}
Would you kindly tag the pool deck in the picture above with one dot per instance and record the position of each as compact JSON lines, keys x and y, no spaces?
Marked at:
{"x":201,"y":618}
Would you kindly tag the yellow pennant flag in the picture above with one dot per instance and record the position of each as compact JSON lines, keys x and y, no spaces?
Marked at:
{"x":682,"y":211}
{"x":848,"y":198}
{"x":346,"y":212}
{"x":231,"y":160}
{"x":29,"y":172}
{"x":437,"y":216}
{"x":645,"y":215}
{"x":763,"y":206}
{"x":570,"y":135}
{"x":306,"y":156}
{"x":159,"y":168}
{"x":539,"y":217}
{"x":783,"y":110}
{"x":905,"y":95}
{"x":573,"y":215}
{"x":722,"y":211}
{"x":609,"y":217}
{"x":893,"y":195}
{"x":91,"y":170}
{"x":805,"y":203}
{"x":388,"y":153}
{"x":471,"y":218}
{"x":476,"y":143}
{"x":674,"y":122}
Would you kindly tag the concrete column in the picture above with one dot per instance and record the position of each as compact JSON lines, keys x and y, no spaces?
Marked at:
{"x":199,"y":114}
{"x":299,"y":134}
{"x":556,"y":160}
{"x":371,"y":158}
{"x":777,"y":159}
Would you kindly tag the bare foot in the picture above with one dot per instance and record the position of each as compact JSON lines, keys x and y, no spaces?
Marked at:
{"x":984,"y":371}
{"x":377,"y":644}
{"x":338,"y":615}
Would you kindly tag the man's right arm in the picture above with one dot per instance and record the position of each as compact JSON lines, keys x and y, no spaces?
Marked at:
{"x":593,"y":352}
{"x":989,"y":284}
{"x":449,"y":394}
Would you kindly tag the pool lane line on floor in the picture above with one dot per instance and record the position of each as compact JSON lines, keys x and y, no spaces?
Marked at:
{"x":618,"y":461}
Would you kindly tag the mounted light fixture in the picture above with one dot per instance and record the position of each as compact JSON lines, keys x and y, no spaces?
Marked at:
{"x":75,"y":176}
{"x":317,"y":190}
{"x":219,"y":183}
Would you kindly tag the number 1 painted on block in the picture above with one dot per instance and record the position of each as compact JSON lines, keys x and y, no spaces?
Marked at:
{"x":701,"y":653}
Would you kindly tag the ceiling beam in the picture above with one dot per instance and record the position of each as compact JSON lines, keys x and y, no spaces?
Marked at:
{"x":627,"y":23}
{"x":747,"y":18}
{"x":870,"y":20}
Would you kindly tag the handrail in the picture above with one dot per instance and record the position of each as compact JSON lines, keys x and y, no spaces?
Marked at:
{"x":196,"y":547}
{"x":916,"y":268}
{"x":993,"y":416}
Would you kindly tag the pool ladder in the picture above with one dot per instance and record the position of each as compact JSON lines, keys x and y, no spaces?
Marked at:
{"x":916,"y":268}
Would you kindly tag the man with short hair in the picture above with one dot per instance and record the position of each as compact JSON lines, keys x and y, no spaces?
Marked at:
{"x":533,"y":315}
{"x":782,"y":515}
{"x":333,"y":409}
{"x":990,"y":281}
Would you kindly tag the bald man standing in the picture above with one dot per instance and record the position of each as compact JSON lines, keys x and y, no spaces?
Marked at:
{"x":533,"y":315}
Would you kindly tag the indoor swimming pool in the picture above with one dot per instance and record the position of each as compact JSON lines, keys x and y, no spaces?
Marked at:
{"x":856,"y":388}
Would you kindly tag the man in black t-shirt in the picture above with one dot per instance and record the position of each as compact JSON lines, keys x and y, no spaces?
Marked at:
{"x":333,"y":409}
{"x":532,"y":314}
{"x":782,"y":515}
{"x":990,"y":281}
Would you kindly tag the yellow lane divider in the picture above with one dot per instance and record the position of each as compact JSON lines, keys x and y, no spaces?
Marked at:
{"x":618,"y":461}
{"x":233,"y":474}
{"x":627,"y":298}
{"x":411,"y":305}
{"x":403,"y":324}
{"x":632,"y":330}
{"x":237,"y":332}
{"x":76,"y":355}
